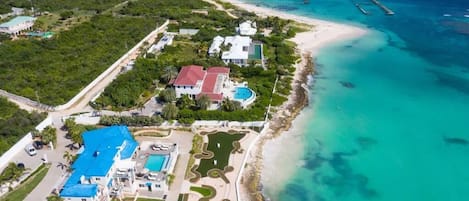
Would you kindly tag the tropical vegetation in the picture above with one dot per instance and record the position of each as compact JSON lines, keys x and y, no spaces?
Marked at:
{"x":15,"y":123}
{"x":53,"y":71}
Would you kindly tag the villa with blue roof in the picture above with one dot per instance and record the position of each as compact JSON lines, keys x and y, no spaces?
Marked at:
{"x":114,"y":165}
{"x":17,"y":25}
{"x":105,"y":168}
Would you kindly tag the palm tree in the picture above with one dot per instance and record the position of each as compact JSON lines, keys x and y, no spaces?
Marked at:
{"x":68,"y":157}
{"x":140,"y":106}
{"x":169,"y":73}
{"x":203,"y":102}
{"x":170,"y":111}
{"x":230,"y":105}
{"x":185,"y":102}
{"x":168,"y":95}
{"x":49,"y":134}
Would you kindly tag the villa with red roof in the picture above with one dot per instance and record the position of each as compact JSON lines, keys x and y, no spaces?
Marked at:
{"x":195,"y":81}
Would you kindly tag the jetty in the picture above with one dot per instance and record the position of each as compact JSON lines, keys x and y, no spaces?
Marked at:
{"x":384,"y":8}
{"x":365,"y":12}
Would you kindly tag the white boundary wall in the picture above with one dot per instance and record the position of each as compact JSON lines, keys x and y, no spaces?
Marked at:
{"x":241,"y":172}
{"x":19,"y":146}
{"x":110,"y":69}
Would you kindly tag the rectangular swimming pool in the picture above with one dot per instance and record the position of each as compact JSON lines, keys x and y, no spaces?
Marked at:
{"x":156,"y":162}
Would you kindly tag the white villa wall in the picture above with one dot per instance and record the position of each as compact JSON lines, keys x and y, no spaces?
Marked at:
{"x":19,"y":146}
{"x":110,"y":69}
{"x":180,"y":90}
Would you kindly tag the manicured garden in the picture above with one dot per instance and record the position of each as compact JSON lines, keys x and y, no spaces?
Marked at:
{"x":221,"y":144}
{"x":207,"y":192}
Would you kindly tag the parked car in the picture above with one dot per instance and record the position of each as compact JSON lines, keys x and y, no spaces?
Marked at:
{"x":38,"y":145}
{"x":30,"y":150}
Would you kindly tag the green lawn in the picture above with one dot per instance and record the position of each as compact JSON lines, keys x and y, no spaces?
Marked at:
{"x":203,"y":191}
{"x":24,"y":189}
{"x":222,"y":154}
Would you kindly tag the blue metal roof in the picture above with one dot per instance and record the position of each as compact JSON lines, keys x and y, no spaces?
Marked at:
{"x":17,"y":20}
{"x":101,"y":147}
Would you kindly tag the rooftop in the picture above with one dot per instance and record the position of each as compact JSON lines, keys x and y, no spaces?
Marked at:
{"x":190,"y":75}
{"x":101,"y":147}
{"x":17,"y":20}
{"x":239,"y":47}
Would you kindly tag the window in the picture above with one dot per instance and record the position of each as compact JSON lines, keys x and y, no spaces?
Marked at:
{"x":97,"y":178}
{"x":141,"y":185}
{"x":83,"y":199}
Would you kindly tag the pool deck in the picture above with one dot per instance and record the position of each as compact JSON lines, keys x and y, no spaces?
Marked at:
{"x":230,"y":91}
{"x":184,"y":141}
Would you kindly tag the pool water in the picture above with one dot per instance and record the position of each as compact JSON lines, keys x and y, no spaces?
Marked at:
{"x":156,"y":162}
{"x":242,"y":93}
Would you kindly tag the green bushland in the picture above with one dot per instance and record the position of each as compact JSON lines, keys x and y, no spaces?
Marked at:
{"x":222,"y":154}
{"x":27,"y":186}
{"x":15,"y":123}
{"x":58,"y":69}
{"x":56,"y":5}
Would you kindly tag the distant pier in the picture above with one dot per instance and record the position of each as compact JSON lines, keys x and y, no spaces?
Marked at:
{"x":384,"y":8}
{"x":365,"y":12}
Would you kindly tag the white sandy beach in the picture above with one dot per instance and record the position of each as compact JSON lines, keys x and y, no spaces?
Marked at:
{"x":286,"y":151}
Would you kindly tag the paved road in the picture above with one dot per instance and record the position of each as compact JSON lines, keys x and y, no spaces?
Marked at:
{"x":55,"y":173}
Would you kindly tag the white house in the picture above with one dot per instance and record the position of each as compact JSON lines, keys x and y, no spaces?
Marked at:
{"x":247,"y":28}
{"x":215,"y":46}
{"x":167,"y":39}
{"x":195,"y":81}
{"x":239,"y":50}
{"x":17,"y":24}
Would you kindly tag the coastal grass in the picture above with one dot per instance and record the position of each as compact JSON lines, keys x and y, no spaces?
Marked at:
{"x":27,"y":186}
{"x":222,"y":152}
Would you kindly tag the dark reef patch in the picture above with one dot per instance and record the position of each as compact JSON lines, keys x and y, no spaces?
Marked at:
{"x":365,"y":142}
{"x":457,"y":141}
{"x":347,"y":84}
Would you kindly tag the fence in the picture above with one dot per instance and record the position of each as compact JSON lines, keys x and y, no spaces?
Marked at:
{"x":21,"y":144}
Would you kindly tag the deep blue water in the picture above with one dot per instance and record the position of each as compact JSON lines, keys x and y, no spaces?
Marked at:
{"x":389,"y":113}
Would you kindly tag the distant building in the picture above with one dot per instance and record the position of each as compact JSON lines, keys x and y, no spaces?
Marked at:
{"x":105,"y":168}
{"x":190,"y":32}
{"x":17,"y":11}
{"x":167,"y":39}
{"x":17,"y":25}
{"x":195,"y":81}
{"x":247,"y":28}
{"x":215,"y":46}
{"x":238,"y":52}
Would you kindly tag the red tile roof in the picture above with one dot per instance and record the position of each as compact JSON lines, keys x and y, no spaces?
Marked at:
{"x":218,"y":70}
{"x":209,"y":83}
{"x":189,"y":75}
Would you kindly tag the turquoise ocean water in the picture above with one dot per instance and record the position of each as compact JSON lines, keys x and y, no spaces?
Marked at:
{"x":389,"y":111}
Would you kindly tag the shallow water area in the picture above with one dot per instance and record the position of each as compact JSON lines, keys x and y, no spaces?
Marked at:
{"x":389,"y":111}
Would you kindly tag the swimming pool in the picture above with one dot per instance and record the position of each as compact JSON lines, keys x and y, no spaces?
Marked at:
{"x":242,"y":93}
{"x":156,"y":162}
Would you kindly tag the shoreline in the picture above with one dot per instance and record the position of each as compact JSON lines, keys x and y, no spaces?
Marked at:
{"x":308,"y":44}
